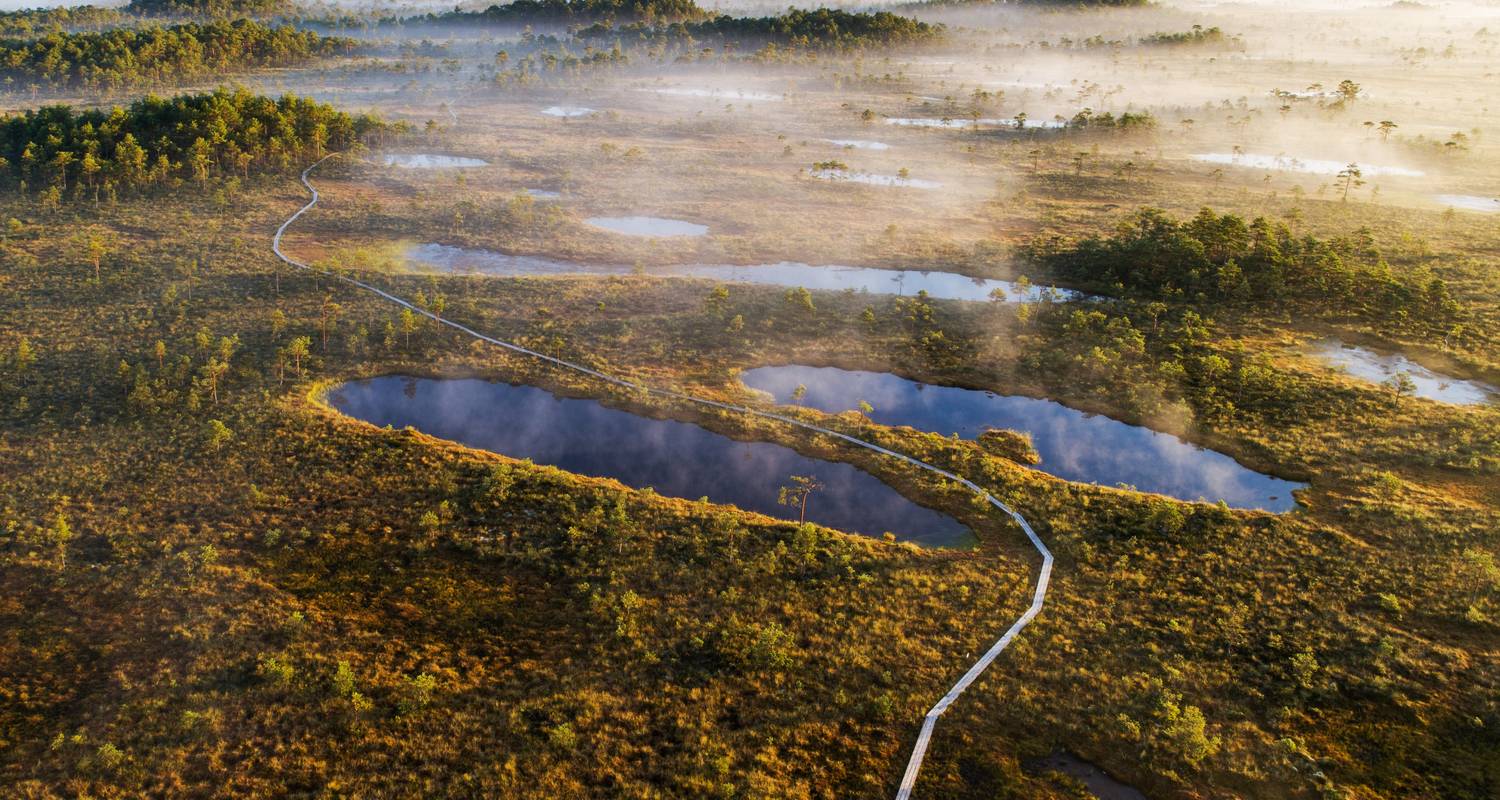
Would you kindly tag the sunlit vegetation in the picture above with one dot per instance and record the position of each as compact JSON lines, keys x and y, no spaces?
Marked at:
{"x":155,"y":56}
{"x":56,"y":152}
{"x":215,"y":585}
{"x":1221,"y":260}
{"x":540,"y":574}
{"x":1126,"y":122}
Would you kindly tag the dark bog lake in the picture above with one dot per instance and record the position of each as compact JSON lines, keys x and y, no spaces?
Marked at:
{"x":1095,"y":780}
{"x":677,"y":459}
{"x":1073,"y":445}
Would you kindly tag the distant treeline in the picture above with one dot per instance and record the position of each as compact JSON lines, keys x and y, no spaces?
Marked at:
{"x":1088,"y":119}
{"x":1198,"y":35}
{"x":569,"y":12}
{"x":226,"y":9}
{"x":126,"y":57}
{"x":32,"y":22}
{"x":554,"y":58}
{"x":37,"y":21}
{"x":156,"y":142}
{"x":1222,"y":260}
{"x":1061,"y":4}
{"x":822,"y":28}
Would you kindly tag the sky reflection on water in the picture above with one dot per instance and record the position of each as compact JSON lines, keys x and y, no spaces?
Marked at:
{"x":1073,"y":445}
{"x":677,"y":459}
{"x":938,"y":285}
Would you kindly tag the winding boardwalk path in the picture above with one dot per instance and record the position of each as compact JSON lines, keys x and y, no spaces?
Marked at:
{"x":919,"y":749}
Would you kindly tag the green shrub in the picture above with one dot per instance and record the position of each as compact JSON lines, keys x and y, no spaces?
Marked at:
{"x":416,"y":694}
{"x":275,"y":672}
{"x":343,"y":680}
{"x":562,"y":736}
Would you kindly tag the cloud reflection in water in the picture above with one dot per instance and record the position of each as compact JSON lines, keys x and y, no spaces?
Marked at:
{"x":677,"y":459}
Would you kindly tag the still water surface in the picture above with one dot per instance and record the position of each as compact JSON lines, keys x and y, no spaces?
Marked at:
{"x":1376,"y":367}
{"x":677,"y":459}
{"x":648,"y":226}
{"x":1470,"y":202}
{"x":938,"y":285}
{"x":1096,"y":781}
{"x":1073,"y":445}
{"x":431,"y":161}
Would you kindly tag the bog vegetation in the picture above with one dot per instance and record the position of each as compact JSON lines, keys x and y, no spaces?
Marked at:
{"x":212,"y":584}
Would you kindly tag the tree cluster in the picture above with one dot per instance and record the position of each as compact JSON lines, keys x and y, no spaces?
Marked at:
{"x":126,"y":57}
{"x":1043,"y":3}
{"x":554,"y":59}
{"x":218,"y":9}
{"x":566,"y":12}
{"x":1215,"y":259}
{"x":1088,"y":119}
{"x":155,"y":142}
{"x":823,"y":28}
{"x":31,"y":22}
{"x":1198,"y":35}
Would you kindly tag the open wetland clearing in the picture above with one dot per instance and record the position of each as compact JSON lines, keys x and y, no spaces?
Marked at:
{"x":581,"y":398}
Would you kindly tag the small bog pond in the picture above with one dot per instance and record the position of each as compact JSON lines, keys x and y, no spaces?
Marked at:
{"x":648,"y":226}
{"x":833,"y":278}
{"x":677,"y":459}
{"x":1313,"y":166}
{"x":847,"y":176}
{"x":940,"y":285}
{"x":1073,"y":445}
{"x":969,"y":122}
{"x":1095,"y":780}
{"x":1377,"y":368}
{"x":1469,"y":202}
{"x":431,"y":161}
{"x":567,"y":111}
{"x":859,"y":144}
{"x":714,"y":94}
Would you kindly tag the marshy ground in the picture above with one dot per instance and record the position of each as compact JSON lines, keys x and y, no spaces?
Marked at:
{"x":218,"y":584}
